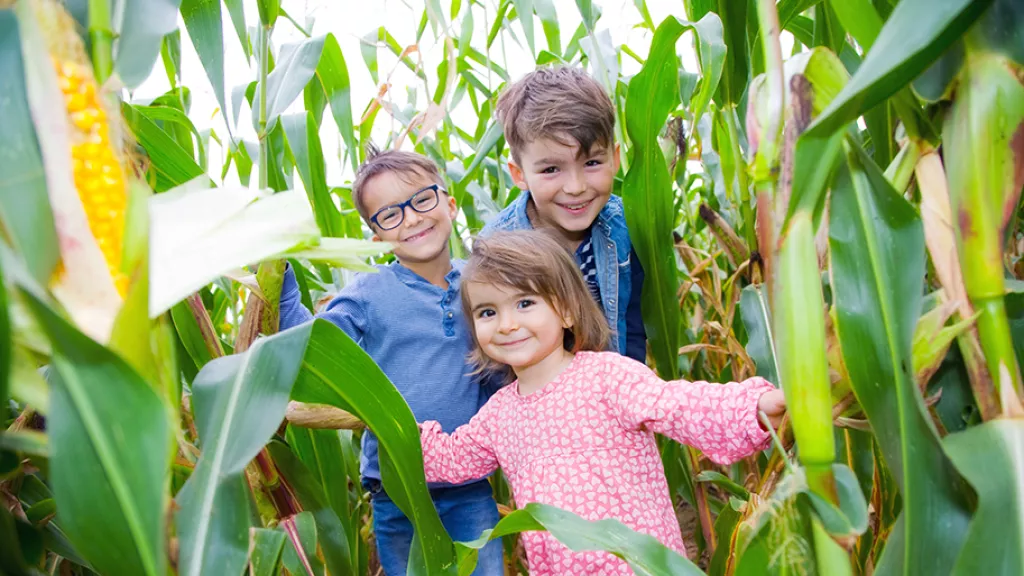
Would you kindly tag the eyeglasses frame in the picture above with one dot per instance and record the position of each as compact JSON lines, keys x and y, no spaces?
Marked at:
{"x":408,"y":202}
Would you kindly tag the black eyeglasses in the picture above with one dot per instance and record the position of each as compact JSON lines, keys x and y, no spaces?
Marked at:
{"x":390,"y":217}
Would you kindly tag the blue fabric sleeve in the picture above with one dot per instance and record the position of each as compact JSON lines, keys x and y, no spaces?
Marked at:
{"x":636,"y":336}
{"x":346,"y":310}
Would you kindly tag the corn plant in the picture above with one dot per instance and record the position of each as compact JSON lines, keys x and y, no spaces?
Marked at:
{"x":841,"y":217}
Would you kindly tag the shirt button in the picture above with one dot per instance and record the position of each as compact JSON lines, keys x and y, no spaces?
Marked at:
{"x":610,"y":245}
{"x":450,"y":314}
{"x":611,"y":300}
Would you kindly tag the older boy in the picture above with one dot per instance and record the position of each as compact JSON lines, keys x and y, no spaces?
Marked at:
{"x":559,"y":124}
{"x":408,"y":318}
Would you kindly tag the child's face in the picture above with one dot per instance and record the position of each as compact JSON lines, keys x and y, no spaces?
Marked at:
{"x":568,"y":191}
{"x":515,"y":328}
{"x":421,"y":236}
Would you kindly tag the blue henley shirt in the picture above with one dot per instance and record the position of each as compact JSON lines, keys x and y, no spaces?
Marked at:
{"x":415,"y":332}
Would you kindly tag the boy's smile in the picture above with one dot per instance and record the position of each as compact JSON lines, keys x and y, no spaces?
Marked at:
{"x":421,"y":237}
{"x":568,"y":190}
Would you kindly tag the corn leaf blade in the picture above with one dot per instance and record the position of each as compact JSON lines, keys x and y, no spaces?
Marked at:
{"x":992,"y":458}
{"x":877,"y":257}
{"x":139,"y":34}
{"x":111,"y":449}
{"x":25,"y":213}
{"x":915,"y":35}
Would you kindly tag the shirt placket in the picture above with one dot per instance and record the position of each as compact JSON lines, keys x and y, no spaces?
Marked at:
{"x":448,"y":308}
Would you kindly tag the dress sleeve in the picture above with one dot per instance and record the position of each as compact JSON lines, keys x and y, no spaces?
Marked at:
{"x":465,"y":454}
{"x":718,"y":419}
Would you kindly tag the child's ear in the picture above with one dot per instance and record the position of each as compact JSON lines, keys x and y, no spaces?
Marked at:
{"x":615,"y":157}
{"x":453,"y":207}
{"x":517,"y":175}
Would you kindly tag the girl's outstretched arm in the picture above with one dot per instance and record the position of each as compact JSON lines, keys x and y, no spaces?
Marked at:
{"x":463,"y":455}
{"x":719,"y":419}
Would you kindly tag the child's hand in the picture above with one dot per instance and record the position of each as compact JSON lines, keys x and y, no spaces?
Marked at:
{"x":773,"y":404}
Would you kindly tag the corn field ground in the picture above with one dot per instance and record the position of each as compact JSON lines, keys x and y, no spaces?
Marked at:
{"x":842,"y":217}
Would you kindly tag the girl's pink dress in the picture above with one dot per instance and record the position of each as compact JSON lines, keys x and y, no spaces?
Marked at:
{"x":585,"y":443}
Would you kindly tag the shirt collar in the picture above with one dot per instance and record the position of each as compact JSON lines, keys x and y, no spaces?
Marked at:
{"x":411,"y":278}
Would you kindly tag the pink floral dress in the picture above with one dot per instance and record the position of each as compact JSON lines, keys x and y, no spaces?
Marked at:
{"x":585,"y":443}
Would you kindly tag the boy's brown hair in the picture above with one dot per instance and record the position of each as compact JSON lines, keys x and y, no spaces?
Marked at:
{"x":551,"y":273}
{"x":556,"y":103}
{"x":403,"y":163}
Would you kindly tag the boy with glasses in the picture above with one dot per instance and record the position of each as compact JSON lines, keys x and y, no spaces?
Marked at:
{"x":408,"y":318}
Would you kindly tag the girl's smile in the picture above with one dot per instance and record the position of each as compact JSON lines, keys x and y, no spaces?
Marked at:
{"x":521,"y":330}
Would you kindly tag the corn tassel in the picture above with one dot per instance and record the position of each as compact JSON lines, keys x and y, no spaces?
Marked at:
{"x":984,"y":145}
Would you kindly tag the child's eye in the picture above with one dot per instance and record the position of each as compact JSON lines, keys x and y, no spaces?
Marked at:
{"x":485,"y":313}
{"x":525,"y":303}
{"x":549,"y":170}
{"x":593,"y":162}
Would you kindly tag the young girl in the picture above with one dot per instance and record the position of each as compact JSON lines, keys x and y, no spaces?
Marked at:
{"x":576,"y":428}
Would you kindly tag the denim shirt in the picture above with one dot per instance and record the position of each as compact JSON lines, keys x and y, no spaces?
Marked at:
{"x":619,"y":273}
{"x":415,"y":332}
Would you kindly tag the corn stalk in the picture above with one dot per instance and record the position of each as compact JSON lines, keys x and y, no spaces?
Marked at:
{"x":984,"y":143}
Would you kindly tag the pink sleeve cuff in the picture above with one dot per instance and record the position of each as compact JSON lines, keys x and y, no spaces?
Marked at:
{"x":758,"y":437}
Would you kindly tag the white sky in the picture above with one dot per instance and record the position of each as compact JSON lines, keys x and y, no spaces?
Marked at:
{"x":349,"y":20}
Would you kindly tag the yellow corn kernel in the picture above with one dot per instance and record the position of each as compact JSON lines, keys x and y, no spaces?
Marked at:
{"x":98,"y":173}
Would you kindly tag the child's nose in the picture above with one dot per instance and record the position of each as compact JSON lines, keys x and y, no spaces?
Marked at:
{"x":507,"y":323}
{"x":411,"y":216}
{"x":574,"y":183}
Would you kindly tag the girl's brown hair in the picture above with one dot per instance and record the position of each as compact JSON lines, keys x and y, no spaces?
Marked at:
{"x":534,"y":261}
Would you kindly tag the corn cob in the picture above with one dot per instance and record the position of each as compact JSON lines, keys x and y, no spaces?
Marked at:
{"x":99,"y":176}
{"x":96,"y":163}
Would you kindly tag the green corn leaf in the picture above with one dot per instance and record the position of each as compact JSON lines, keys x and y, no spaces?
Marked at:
{"x":265,"y":552}
{"x":299,"y":555}
{"x":304,"y":142}
{"x":238,"y":402}
{"x":143,"y":25}
{"x":322,"y":454}
{"x":290,"y":75}
{"x":345,"y":377}
{"x":877,"y":261}
{"x":524,"y":12}
{"x":915,"y":35}
{"x":237,"y":13}
{"x":487,"y":142}
{"x":111,"y":450}
{"x":310,"y":493}
{"x":549,"y":20}
{"x":991,"y":457}
{"x":647,"y":187}
{"x":737,"y":63}
{"x":173,"y":164}
{"x":203,"y":21}
{"x":644,"y":553}
{"x":758,"y":322}
{"x":860,"y":19}
{"x":24,"y":207}
{"x":333,"y":74}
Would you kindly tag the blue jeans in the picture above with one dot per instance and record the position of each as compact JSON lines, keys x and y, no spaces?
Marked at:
{"x":465,"y":512}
